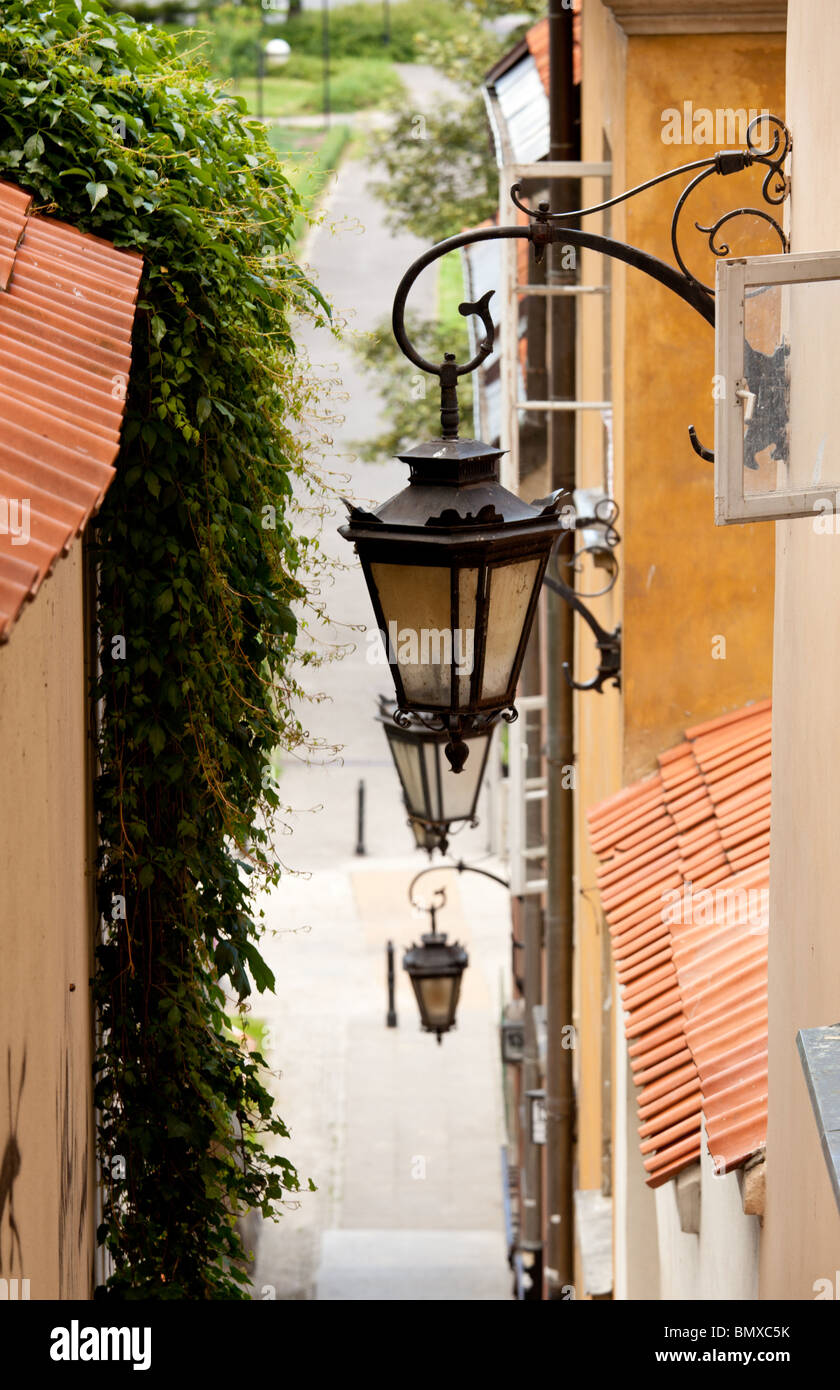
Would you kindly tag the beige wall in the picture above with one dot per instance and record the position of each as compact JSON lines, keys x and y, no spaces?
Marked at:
{"x":801,"y":1238}
{"x":683,"y":581}
{"x":45,"y":916}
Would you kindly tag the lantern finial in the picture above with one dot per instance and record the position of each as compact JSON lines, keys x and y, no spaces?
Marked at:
{"x":456,"y":749}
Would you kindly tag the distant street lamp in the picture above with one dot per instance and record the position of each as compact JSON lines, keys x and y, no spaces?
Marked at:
{"x":274,"y":52}
{"x":435,"y":969}
{"x":434,"y":801}
{"x":325,"y":54}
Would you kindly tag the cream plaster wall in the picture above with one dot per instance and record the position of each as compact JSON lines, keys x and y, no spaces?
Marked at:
{"x":801,"y":1238}
{"x":45,"y":916}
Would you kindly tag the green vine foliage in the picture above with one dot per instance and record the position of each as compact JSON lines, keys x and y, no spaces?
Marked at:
{"x":198,"y":566}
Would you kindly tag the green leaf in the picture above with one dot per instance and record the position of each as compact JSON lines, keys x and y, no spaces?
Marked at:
{"x":34,"y":146}
{"x":202,"y":409}
{"x":263,"y":976}
{"x":157,"y":739}
{"x":96,"y":192}
{"x":158,"y":328}
{"x":285,"y":620}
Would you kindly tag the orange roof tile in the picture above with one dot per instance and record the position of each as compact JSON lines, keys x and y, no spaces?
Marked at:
{"x":684,"y":882}
{"x":66,"y":314}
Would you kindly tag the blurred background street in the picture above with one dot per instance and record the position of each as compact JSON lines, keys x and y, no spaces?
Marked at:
{"x":402,"y":1136}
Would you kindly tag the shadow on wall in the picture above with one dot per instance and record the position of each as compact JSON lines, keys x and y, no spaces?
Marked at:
{"x":9,"y":1170}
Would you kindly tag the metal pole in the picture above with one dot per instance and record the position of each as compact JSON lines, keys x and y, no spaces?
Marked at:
{"x":325,"y":43}
{"x":386,"y":18}
{"x":559,"y":1246}
{"x":360,"y":819}
{"x":530,"y":908}
{"x":391,"y":1019}
{"x":261,"y":62}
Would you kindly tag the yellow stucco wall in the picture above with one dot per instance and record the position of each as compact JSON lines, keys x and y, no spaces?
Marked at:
{"x":801,"y":1235}
{"x":686,"y":582}
{"x":683,"y":581}
{"x":45,"y":915}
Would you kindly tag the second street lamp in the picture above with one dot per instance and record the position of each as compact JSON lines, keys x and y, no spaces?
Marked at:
{"x":434,"y":800}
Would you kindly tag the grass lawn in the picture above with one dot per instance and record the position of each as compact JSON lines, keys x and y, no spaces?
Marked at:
{"x":450,"y":293}
{"x":312,"y":155}
{"x":298,"y":88}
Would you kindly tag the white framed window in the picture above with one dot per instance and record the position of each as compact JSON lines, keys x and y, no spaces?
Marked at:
{"x":777,"y":368}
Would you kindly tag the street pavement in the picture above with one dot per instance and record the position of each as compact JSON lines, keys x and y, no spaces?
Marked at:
{"x":402,"y":1136}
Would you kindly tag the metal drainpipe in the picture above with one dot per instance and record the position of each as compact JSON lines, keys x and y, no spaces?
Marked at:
{"x":559,"y":1238}
{"x":531,"y":1181}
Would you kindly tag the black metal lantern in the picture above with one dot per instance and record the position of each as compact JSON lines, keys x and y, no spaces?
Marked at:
{"x":435,"y":969}
{"x":454,"y":564}
{"x":434,"y":799}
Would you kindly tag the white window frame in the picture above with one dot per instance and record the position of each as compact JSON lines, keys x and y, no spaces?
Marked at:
{"x":733,"y":279}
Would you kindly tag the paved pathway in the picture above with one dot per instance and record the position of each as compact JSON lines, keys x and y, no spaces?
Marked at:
{"x":402,"y":1136}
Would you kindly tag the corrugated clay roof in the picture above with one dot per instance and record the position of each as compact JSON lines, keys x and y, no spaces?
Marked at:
{"x":66,"y":314}
{"x":684,"y":884}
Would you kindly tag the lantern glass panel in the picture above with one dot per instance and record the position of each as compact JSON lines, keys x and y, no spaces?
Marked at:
{"x":465,"y":637}
{"x":407,"y":756}
{"x":511,"y":590}
{"x":416,"y":603}
{"x":438,"y":998}
{"x":432,"y":750}
{"x":459,"y":793}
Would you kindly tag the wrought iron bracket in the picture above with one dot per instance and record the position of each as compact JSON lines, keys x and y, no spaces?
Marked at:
{"x":544,"y":228}
{"x":608,"y":643}
{"x":459,"y":867}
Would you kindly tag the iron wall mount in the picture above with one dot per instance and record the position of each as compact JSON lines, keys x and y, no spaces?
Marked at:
{"x":545,"y":228}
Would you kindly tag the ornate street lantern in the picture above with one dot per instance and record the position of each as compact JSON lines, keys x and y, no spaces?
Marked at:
{"x":454,"y":564}
{"x":435,"y":969}
{"x":433,"y":798}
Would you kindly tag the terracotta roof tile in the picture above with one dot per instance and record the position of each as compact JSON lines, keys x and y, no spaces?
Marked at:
{"x":693,"y":965}
{"x":66,"y":315}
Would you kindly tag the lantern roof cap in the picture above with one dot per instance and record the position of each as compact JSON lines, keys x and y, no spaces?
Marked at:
{"x":452,"y":462}
{"x":436,"y":956}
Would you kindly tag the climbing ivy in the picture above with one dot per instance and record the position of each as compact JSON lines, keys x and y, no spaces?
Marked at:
{"x":198,"y":566}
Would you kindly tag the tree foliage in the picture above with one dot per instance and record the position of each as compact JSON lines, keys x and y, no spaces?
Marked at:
{"x":410,"y":398}
{"x":440,"y":172}
{"x":198,"y":567}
